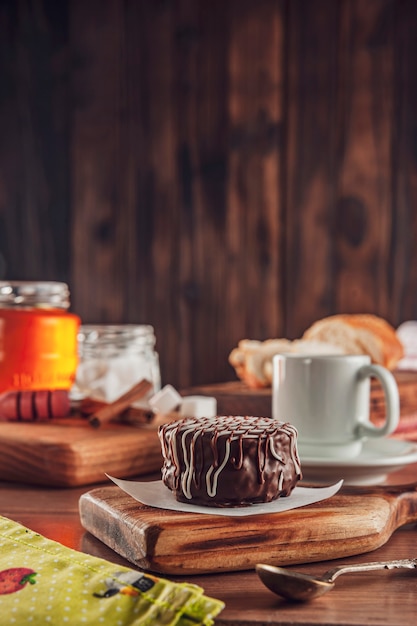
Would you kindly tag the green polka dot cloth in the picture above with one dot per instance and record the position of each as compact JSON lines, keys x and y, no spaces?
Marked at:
{"x":43,"y":583}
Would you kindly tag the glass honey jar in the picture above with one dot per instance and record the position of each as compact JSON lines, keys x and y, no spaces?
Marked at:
{"x":38,"y":336}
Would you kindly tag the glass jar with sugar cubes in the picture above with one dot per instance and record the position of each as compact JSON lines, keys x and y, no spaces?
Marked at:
{"x":113,"y":358}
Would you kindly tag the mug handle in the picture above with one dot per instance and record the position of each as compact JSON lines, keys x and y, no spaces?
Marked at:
{"x":392,"y":402}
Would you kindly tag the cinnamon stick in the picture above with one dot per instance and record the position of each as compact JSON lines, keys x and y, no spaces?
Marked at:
{"x":108,"y":412}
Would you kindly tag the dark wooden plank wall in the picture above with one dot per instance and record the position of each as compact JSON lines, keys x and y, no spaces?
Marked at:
{"x":220,"y":169}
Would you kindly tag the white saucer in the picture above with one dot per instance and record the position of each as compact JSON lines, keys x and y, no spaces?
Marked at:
{"x":378,"y":458}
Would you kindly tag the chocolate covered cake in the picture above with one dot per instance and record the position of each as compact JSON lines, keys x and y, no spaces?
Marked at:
{"x":229,"y":460}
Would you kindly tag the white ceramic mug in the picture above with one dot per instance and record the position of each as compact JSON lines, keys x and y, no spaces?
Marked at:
{"x":327,"y":398}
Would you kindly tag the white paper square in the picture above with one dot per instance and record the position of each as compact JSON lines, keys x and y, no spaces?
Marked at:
{"x":156,"y":494}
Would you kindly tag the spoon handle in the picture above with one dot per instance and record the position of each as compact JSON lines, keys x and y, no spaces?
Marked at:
{"x":332,"y":574}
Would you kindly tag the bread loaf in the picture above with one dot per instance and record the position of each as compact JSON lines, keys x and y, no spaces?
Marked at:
{"x":360,"y":334}
{"x":252,"y":360}
{"x":337,"y":334}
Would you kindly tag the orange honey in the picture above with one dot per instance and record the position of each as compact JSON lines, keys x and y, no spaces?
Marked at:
{"x":38,"y":336}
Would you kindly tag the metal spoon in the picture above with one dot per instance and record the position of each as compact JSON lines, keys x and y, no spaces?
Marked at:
{"x":302,"y":587}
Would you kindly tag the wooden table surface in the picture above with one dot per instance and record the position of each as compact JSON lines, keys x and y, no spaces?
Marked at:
{"x":382,"y":598}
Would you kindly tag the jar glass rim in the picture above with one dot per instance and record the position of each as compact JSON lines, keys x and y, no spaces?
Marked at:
{"x":91,"y":334}
{"x":32,"y":292}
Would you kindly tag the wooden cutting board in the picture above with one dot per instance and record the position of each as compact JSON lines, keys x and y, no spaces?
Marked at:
{"x":235,"y":398}
{"x":70,"y":452}
{"x":355,"y":521}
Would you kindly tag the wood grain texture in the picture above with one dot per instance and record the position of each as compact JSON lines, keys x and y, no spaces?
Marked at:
{"x":340,"y":159}
{"x":67,"y":454}
{"x":220,"y":170}
{"x":171,"y":542}
{"x":311,"y":160}
{"x":34,"y":147}
{"x":385,"y":598}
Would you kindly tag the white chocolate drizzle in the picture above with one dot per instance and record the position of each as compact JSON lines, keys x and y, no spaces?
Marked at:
{"x":227,"y":428}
